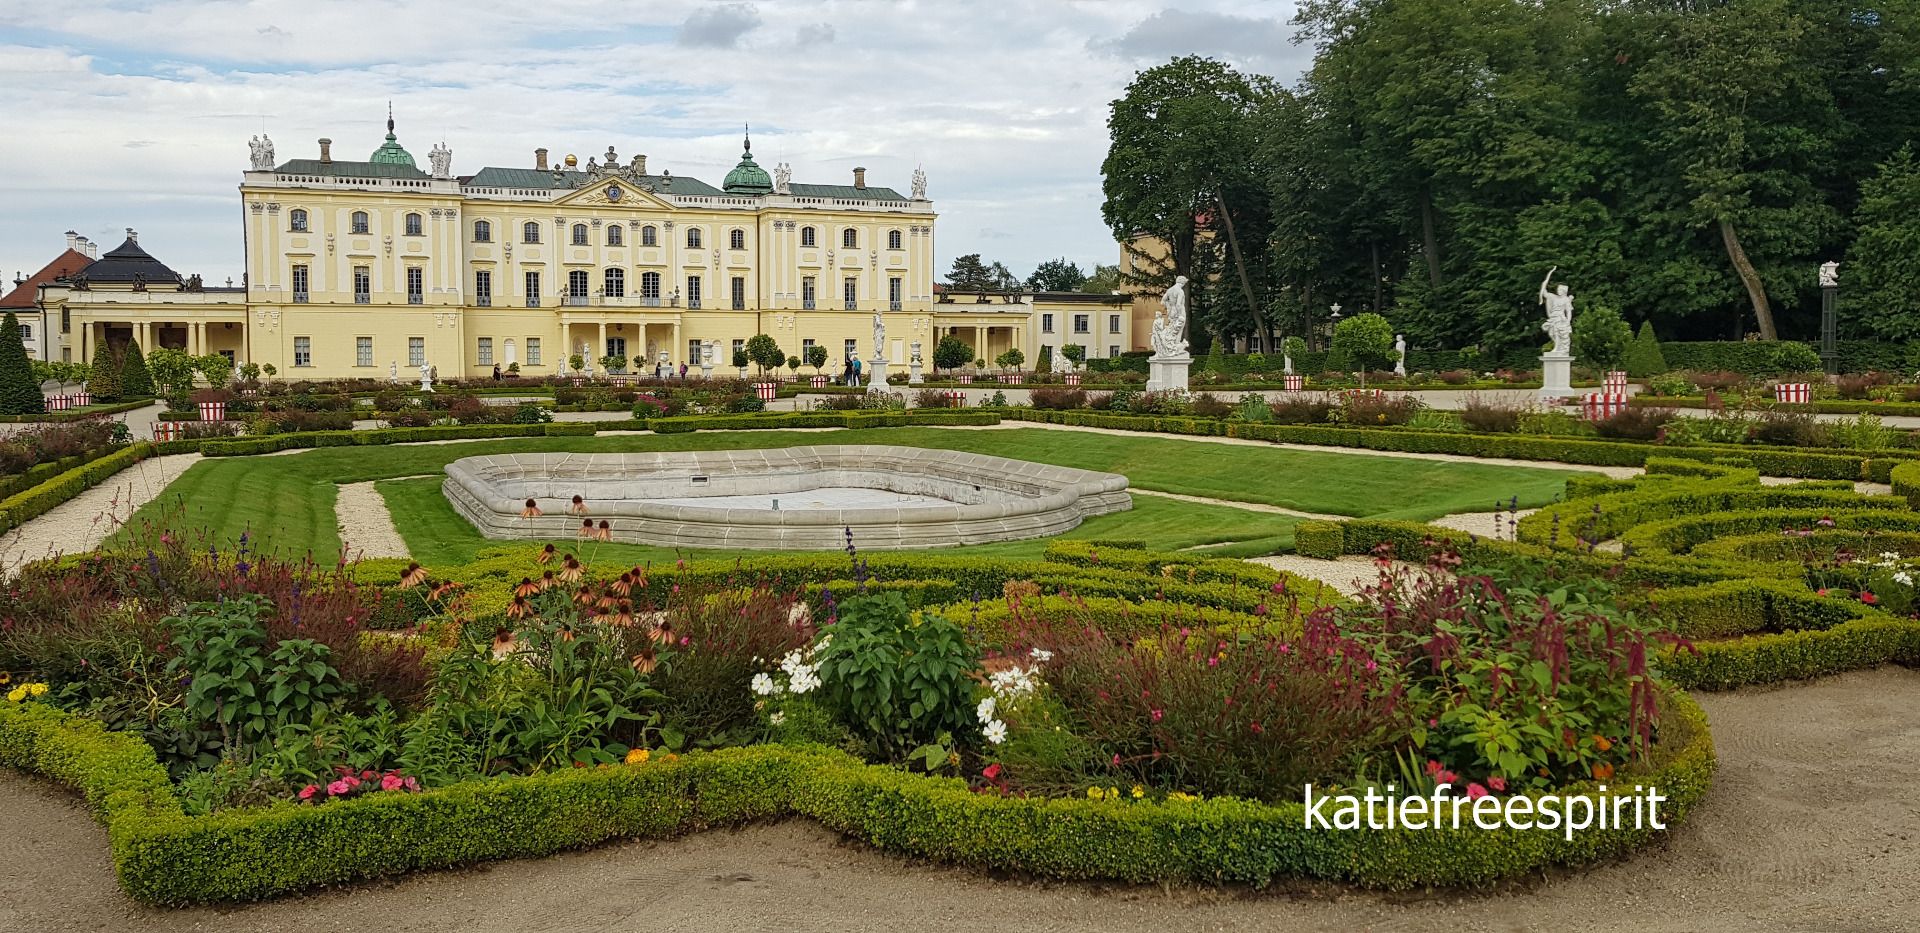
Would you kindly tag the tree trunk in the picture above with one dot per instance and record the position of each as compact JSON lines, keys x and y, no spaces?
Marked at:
{"x":1240,"y":263}
{"x":1429,"y":239}
{"x":1762,"y":310}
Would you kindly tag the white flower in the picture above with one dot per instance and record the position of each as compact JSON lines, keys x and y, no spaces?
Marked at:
{"x":996,"y":732}
{"x":1903,"y":578}
{"x":1889,"y":557}
{"x":1014,"y":682}
{"x":1042,"y":655}
{"x":985,"y":710}
{"x":763,"y":684}
{"x":777,"y":718}
{"x":804,"y":680}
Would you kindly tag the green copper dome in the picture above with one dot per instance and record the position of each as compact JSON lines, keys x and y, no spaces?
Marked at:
{"x":390,"y":152}
{"x":747,"y":178}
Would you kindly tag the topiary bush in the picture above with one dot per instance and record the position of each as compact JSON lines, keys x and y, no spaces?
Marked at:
{"x":19,"y":390}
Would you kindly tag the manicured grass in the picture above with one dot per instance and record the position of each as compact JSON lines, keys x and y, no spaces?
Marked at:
{"x":437,"y":536}
{"x":287,"y":501}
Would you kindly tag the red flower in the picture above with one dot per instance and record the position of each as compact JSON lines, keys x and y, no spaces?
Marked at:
{"x":1475,"y":792}
{"x":992,"y":771}
{"x":1868,"y":598}
{"x":1498,"y":783}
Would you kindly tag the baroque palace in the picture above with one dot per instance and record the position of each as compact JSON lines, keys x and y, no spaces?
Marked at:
{"x":375,"y":267}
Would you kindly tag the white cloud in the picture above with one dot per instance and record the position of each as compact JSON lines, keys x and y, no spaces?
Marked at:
{"x":1006,"y":111}
{"x":720,"y":27}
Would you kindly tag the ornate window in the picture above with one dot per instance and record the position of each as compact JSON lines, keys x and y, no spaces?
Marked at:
{"x":297,"y":220}
{"x":359,"y":222}
{"x":806,"y":237}
{"x":893,"y":239}
{"x":693,"y":237}
{"x":614,"y":237}
{"x":579,"y":234}
{"x":737,"y":239}
{"x":482,"y":232}
{"x":413,"y":225}
{"x":530,"y":232}
{"x":616,"y":283}
{"x":649,"y":235}
{"x":650,"y":285}
{"x":849,"y":238}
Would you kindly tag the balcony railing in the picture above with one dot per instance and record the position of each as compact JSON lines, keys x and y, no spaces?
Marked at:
{"x":806,"y":304}
{"x":299,"y":298}
{"x":893,"y":306}
{"x":739,"y":304}
{"x":415,"y":298}
{"x":362,"y":298}
{"x":693,"y":303}
{"x":483,"y":301}
{"x":650,"y":301}
{"x":852,"y":305}
{"x":533,"y":301}
{"x":576,"y":301}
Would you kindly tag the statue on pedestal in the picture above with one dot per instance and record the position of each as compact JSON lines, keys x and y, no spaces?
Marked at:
{"x":262,"y":149}
{"x":426,"y":378}
{"x":1169,"y":337}
{"x":919,"y":185}
{"x":879,"y":337}
{"x":782,"y":179}
{"x":393,"y":371}
{"x":1399,"y":354}
{"x":1829,"y":274}
{"x":1559,"y":324}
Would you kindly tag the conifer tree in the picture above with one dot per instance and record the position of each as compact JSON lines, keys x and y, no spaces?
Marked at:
{"x":135,"y":380}
{"x":19,"y":390}
{"x":103,"y":380}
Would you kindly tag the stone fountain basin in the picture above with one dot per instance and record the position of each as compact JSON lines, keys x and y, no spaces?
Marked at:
{"x":889,"y":497}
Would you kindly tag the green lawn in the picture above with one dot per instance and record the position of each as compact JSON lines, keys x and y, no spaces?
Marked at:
{"x":287,"y":501}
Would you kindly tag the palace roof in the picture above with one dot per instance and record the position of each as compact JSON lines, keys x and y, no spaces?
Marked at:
{"x":125,"y":264}
{"x":27,"y":292}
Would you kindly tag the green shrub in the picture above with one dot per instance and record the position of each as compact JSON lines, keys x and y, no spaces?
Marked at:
{"x":19,"y":389}
{"x":1319,"y":539}
{"x":135,"y":380}
{"x":1644,"y":358}
{"x":103,"y":377}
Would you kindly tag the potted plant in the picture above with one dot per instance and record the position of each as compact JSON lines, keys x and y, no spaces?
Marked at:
{"x":816,"y":358}
{"x":793,"y":363}
{"x":212,"y":403}
{"x":1077,"y":355}
{"x":766,"y":354}
{"x":1009,"y":363}
{"x":740,"y":361}
{"x":614,"y":363}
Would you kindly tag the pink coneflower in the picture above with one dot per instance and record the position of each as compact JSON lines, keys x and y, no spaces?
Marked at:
{"x":546,"y":554}
{"x":518,"y":608}
{"x":586,"y":529}
{"x":645,"y":662}
{"x":578,"y":506}
{"x":571,"y":570}
{"x":532,"y":510}
{"x":526,"y":587}
{"x":606,"y":531}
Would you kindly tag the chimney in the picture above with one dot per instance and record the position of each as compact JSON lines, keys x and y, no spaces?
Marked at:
{"x":132,"y":236}
{"x":859,"y":178}
{"x":73,"y":239}
{"x":540,"y":159}
{"x":86,"y":247}
{"x":326,"y":150}
{"x":640,"y":164}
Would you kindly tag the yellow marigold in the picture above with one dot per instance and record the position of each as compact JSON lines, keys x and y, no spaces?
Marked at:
{"x":1139,"y":792}
{"x":672,"y":757}
{"x":5,"y":678}
{"x":638,"y":756}
{"x":16,"y":694}
{"x":1095,"y":793}
{"x":38,"y":690}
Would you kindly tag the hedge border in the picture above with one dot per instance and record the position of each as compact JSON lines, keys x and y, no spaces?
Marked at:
{"x":41,"y":498}
{"x":163,"y":856}
{"x":78,"y":414}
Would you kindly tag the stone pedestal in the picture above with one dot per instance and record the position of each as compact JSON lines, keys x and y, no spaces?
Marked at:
{"x":876,"y":374}
{"x":1556,"y":376}
{"x":706,"y":369}
{"x":1168,"y":373}
{"x":913,"y":373}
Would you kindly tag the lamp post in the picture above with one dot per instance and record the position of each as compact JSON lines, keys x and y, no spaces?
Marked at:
{"x":1829,"y":323}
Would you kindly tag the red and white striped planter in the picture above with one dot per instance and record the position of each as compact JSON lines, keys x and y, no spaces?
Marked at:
{"x":59,"y":402}
{"x":956,"y":399}
{"x":1793,"y":392}
{"x":820,"y":380}
{"x":1073,"y":379}
{"x":169,"y":430}
{"x":966,"y":379}
{"x":1293,"y":383}
{"x":768,"y":391}
{"x":1365,"y":393}
{"x":82,"y":398}
{"x":1599,"y":406}
{"x":1614,"y":383}
{"x":213,"y":411}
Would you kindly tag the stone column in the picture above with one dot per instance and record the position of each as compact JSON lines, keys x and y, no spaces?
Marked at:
{"x":599,"y":349}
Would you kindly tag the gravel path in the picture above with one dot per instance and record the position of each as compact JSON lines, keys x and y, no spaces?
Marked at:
{"x":1484,"y":524}
{"x":1344,"y":575}
{"x":366,"y":527}
{"x":81,"y":523}
{"x":1810,"y":826}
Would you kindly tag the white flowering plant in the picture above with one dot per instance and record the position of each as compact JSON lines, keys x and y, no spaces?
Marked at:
{"x":1888,"y":583}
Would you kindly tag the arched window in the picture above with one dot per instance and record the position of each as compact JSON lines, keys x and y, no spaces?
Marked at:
{"x":614,"y":237}
{"x":649,"y":236}
{"x":616,"y":283}
{"x":530,"y":232}
{"x":482,"y":232}
{"x":893,"y":239}
{"x":650,"y":285}
{"x":737,"y":239}
{"x":413,"y":225}
{"x":298,"y":220}
{"x":693,"y":237}
{"x":359,"y":221}
{"x":849,"y":239}
{"x":806,"y":236}
{"x":579,"y":234}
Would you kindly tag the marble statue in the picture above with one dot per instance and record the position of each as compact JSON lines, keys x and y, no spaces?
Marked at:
{"x":1286,"y":358}
{"x":441,"y":158}
{"x":919,"y":184}
{"x":1399,"y":354}
{"x":782,"y":177}
{"x":1060,"y":362}
{"x":393,"y":371}
{"x":879,"y":337}
{"x":262,"y":147}
{"x":1169,"y":335}
{"x":1829,"y":274}
{"x":426,"y":378}
{"x":1559,"y":324}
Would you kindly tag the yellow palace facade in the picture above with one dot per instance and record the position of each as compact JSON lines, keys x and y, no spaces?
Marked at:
{"x":377,"y":267}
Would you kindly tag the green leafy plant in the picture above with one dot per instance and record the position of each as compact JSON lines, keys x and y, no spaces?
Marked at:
{"x":238,"y":683}
{"x":1600,"y":337}
{"x":897,"y":683}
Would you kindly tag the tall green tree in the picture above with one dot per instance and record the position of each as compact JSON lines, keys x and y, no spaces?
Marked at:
{"x":1880,"y":282}
{"x":135,"y":380}
{"x":1057,"y":275}
{"x":1104,"y":280}
{"x":103,"y":377}
{"x":970,"y":274}
{"x":19,"y":390}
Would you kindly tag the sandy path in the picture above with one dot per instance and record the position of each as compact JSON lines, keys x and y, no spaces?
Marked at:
{"x":1344,"y":575}
{"x":366,"y":527}
{"x":1810,"y":826}
{"x":1485,"y":524}
{"x":81,"y":523}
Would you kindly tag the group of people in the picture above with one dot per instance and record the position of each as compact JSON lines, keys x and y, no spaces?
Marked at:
{"x":850,"y":372}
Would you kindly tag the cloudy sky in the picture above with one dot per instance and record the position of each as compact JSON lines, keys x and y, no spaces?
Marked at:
{"x":136,"y":114}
